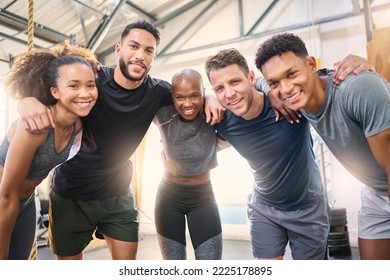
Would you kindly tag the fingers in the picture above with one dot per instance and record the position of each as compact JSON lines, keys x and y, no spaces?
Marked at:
{"x":39,"y":122}
{"x":290,"y":115}
{"x":350,"y":64}
{"x":295,"y":115}
{"x":345,"y":67}
{"x":277,"y":115}
{"x":34,"y":124}
{"x":216,"y":116}
{"x":208,"y":114}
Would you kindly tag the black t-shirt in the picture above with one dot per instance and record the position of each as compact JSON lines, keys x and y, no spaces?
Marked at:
{"x":111,"y":133}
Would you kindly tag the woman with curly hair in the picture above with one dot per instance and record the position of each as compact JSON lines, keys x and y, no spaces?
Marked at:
{"x":64,"y":80}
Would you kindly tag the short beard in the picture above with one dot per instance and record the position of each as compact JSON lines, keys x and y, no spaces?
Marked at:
{"x":125,"y":72}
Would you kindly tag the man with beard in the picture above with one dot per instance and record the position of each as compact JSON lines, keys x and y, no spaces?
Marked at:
{"x":91,"y":191}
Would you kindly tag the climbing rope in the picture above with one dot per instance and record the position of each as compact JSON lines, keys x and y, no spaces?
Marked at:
{"x":30,"y":30}
{"x":30,"y":45}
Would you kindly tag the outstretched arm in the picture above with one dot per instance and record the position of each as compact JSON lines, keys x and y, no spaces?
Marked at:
{"x":380,"y":147}
{"x":213,"y":109}
{"x":277,"y":105}
{"x":35,"y":116}
{"x":350,"y":64}
{"x":23,"y":146}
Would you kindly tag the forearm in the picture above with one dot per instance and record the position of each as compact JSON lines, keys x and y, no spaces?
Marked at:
{"x":24,"y":103}
{"x":36,"y":117}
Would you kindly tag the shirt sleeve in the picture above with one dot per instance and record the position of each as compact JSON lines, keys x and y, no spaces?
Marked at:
{"x":261,"y":85}
{"x":368,"y":102}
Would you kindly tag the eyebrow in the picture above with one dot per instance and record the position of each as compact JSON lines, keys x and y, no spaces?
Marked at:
{"x":138,"y":44}
{"x":283,"y":73}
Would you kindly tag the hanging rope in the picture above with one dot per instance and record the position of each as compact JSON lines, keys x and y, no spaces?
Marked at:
{"x":30,"y":29}
{"x":30,"y":46}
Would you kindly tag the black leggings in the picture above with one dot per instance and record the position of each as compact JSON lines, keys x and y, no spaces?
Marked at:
{"x":176,"y":203}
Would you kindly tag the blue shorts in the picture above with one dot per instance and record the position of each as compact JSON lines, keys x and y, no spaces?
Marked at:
{"x":73,"y":222}
{"x":307,"y":231}
{"x":374,"y":215}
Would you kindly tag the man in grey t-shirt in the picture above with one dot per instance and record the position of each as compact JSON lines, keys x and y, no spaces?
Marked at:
{"x":353,"y":120}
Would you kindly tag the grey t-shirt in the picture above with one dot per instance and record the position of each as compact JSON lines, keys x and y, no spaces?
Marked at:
{"x":45,"y":158}
{"x":190,"y":147}
{"x":354,"y":110}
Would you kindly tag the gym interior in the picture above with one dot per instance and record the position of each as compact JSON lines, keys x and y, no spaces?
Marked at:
{"x":191,"y":30}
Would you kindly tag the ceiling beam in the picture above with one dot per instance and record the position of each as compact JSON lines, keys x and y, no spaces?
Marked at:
{"x":160,"y":22}
{"x":88,"y":7}
{"x":140,"y":11}
{"x":250,"y":34}
{"x":18,"y":40}
{"x":368,"y":20}
{"x":188,"y":26}
{"x":18,"y":23}
{"x":262,"y":34}
{"x":263,"y":16}
{"x":103,"y":28}
{"x":177,"y":12}
{"x":241,"y":17}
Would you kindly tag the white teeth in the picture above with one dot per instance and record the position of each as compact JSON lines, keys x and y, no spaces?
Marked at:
{"x":292,"y":97}
{"x":189,"y":111}
{"x":83,"y":105}
{"x":235,"y":102}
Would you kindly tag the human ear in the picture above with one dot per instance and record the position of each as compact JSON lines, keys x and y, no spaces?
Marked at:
{"x":117,"y":49}
{"x":312,"y":63}
{"x":252,"y":78}
{"x":54,"y":93}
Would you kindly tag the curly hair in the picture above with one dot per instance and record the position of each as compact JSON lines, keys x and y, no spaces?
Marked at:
{"x":31,"y":73}
{"x":279,"y":44}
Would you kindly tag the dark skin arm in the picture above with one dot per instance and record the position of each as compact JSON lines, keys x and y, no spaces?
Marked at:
{"x":351,"y":64}
{"x":277,"y":105}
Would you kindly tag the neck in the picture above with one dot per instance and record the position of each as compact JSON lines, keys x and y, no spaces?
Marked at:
{"x":63,"y":120}
{"x":318,"y":96}
{"x":125,"y":82}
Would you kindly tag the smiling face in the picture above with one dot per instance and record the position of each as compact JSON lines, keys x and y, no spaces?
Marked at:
{"x":293,"y":78}
{"x":233,"y":89}
{"x":188,"y":95}
{"x":136,"y":53}
{"x":76,"y":89}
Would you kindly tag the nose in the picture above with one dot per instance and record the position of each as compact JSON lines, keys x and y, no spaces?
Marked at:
{"x":230,"y":92}
{"x":285,"y":87}
{"x":139,"y":54}
{"x":86,"y":92}
{"x":187,"y":102}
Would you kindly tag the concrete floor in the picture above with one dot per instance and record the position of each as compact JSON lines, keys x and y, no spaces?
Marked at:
{"x":148,"y":249}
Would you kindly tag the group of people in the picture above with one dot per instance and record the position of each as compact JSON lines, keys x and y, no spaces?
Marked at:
{"x":90,"y":192}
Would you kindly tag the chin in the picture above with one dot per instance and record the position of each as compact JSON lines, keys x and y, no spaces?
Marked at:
{"x":239,"y":111}
{"x":188,"y":119}
{"x":293,"y":106}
